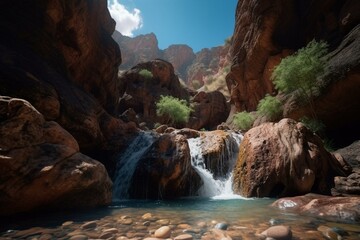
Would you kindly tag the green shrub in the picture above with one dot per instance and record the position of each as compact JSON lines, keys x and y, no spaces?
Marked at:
{"x":243,"y":120}
{"x":299,"y":72}
{"x":270,"y":107}
{"x":175,"y":109}
{"x":146,"y":73}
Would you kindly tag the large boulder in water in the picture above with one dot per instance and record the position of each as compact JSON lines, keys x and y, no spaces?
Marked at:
{"x":339,"y":208}
{"x":284,"y":159}
{"x":41,"y":166}
{"x":159,"y":167}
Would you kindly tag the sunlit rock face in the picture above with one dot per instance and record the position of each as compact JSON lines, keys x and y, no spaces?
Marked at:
{"x":41,"y":166}
{"x":266,"y":31}
{"x":140,"y":92}
{"x":284,"y":159}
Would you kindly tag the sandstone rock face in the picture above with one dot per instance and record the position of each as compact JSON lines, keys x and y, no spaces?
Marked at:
{"x":167,"y":170}
{"x":266,"y":31}
{"x":339,"y":208}
{"x":188,"y":65}
{"x":41,"y":166}
{"x":66,"y":67}
{"x":72,"y":37}
{"x":142,"y":48}
{"x":141,"y":93}
{"x":284,"y":159}
{"x":210,"y":110}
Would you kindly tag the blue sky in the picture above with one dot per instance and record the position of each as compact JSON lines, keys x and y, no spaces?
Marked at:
{"x":197,"y":23}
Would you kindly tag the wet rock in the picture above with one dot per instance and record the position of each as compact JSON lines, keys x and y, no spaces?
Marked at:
{"x":282,"y":159}
{"x":329,"y":233}
{"x":79,"y":237}
{"x":216,"y":234}
{"x":106,"y":235}
{"x":147,"y":216}
{"x":163,"y":222}
{"x":45,"y":237}
{"x":221,"y":226}
{"x":278,"y":233}
{"x":163,"y":232}
{"x":184,"y":226}
{"x":341,"y":208}
{"x":111,"y":230}
{"x":184,"y":237}
{"x":89,"y":225}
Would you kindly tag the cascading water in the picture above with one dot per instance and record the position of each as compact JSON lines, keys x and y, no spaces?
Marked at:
{"x":127,"y":163}
{"x":216,"y":188}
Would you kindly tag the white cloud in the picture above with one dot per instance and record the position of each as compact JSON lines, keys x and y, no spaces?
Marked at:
{"x":126,"y":21}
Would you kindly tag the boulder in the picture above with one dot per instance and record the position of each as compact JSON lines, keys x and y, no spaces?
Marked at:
{"x":41,"y":166}
{"x":284,"y":159}
{"x":336,"y":208}
{"x":166,"y":166}
{"x":219,"y":149}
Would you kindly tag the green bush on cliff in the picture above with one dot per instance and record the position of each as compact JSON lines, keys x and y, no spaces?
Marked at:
{"x":298,"y":73}
{"x":145,"y":73}
{"x":175,"y":109}
{"x":243,"y":120}
{"x":270,"y":106}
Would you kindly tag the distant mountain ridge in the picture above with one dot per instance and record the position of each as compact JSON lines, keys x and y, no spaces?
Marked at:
{"x":189,"y":66}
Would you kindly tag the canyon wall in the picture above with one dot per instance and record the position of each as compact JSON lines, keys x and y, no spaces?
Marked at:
{"x":267,"y":31}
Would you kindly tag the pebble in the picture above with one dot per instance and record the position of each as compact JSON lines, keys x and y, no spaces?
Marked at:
{"x":89,"y":225}
{"x":201,"y":224}
{"x":184,"y":237}
{"x":163,"y":222}
{"x":222,"y":226}
{"x":329,"y":233}
{"x":184,"y":226}
{"x":67,"y":224}
{"x":45,"y":237}
{"x":111,"y":230}
{"x":279,"y":232}
{"x":146,"y":223}
{"x":163,"y":232}
{"x":106,"y":235}
{"x":146,"y":216}
{"x":79,"y":237}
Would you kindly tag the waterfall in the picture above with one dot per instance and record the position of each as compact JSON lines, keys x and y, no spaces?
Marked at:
{"x":127,"y":163}
{"x":216,"y":188}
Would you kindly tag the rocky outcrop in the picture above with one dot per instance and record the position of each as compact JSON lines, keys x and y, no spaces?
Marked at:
{"x":142,"y":48}
{"x":338,"y":208}
{"x":41,"y":166}
{"x":66,"y":68}
{"x":267,"y":31}
{"x":189,"y":66}
{"x":180,"y":56}
{"x":284,"y":159}
{"x":140,"y":92}
{"x":167,"y":170}
{"x":219,"y":149}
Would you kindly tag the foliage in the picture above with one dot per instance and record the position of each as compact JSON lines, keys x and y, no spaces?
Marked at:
{"x":176,"y":109}
{"x":298,"y":72}
{"x":314,"y":125}
{"x":145,"y":73}
{"x":270,"y":107}
{"x":243,"y":120}
{"x":228,"y":40}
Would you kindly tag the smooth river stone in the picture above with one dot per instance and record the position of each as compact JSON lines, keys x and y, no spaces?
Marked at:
{"x":79,"y":237}
{"x":222,"y":226}
{"x":184,"y":237}
{"x":146,"y":216}
{"x":163,"y":232}
{"x":278,"y":232}
{"x":163,"y":222}
{"x":89,"y":225}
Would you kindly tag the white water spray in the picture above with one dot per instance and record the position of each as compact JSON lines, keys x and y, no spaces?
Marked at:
{"x":128,"y":162}
{"x":215,"y":188}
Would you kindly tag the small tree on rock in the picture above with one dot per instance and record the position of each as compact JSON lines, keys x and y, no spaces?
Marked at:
{"x":175,"y":109}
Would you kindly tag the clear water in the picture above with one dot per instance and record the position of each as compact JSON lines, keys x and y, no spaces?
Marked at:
{"x":245,"y":218}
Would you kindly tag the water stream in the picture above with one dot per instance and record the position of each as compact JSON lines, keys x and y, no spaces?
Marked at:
{"x":127,"y":163}
{"x":212,"y":187}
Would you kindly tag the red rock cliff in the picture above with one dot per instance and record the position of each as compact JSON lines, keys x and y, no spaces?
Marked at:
{"x":266,"y":31}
